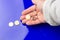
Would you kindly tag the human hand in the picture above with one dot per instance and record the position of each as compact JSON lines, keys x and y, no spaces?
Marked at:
{"x":35,"y":16}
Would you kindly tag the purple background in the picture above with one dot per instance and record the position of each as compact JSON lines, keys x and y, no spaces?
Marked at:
{"x":10,"y":10}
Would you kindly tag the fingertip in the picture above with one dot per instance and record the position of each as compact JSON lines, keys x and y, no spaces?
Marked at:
{"x":23,"y":12}
{"x":24,"y":21}
{"x":28,"y":23}
{"x":22,"y":17}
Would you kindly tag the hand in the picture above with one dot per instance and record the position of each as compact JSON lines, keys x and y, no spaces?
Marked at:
{"x":35,"y":19}
{"x":33,"y":10}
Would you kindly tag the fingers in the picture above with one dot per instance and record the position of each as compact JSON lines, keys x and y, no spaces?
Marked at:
{"x":31,"y":22}
{"x":27,"y":15}
{"x":22,"y":17}
{"x":41,"y":17}
{"x":30,"y":9}
{"x":24,"y":21}
{"x":36,"y":19}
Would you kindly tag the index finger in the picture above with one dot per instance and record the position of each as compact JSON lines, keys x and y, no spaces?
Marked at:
{"x":30,"y":9}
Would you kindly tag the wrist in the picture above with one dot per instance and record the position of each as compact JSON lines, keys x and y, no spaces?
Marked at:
{"x":40,"y":5}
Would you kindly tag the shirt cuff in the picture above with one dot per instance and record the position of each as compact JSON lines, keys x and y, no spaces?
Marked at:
{"x":46,"y":12}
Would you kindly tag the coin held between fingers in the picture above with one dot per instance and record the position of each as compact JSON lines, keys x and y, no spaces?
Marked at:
{"x":28,"y":17}
{"x":33,"y":18}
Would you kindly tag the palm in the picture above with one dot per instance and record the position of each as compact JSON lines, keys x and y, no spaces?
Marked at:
{"x":35,"y":19}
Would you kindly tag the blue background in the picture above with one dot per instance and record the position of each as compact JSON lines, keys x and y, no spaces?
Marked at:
{"x":10,"y":10}
{"x":42,"y":31}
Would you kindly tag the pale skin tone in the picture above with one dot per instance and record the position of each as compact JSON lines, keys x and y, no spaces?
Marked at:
{"x":30,"y":11}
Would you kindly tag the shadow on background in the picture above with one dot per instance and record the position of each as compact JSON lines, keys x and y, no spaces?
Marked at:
{"x":41,"y":31}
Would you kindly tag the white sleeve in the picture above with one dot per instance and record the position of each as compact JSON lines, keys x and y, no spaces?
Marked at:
{"x":51,"y":11}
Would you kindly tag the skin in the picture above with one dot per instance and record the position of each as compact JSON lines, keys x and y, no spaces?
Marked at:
{"x":30,"y":11}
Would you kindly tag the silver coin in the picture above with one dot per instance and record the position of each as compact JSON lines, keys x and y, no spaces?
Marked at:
{"x":16,"y":22}
{"x":11,"y":24}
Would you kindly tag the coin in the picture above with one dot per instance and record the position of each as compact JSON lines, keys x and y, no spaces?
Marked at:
{"x":34,"y":18}
{"x":10,"y":24}
{"x":16,"y":22}
{"x":27,"y":17}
